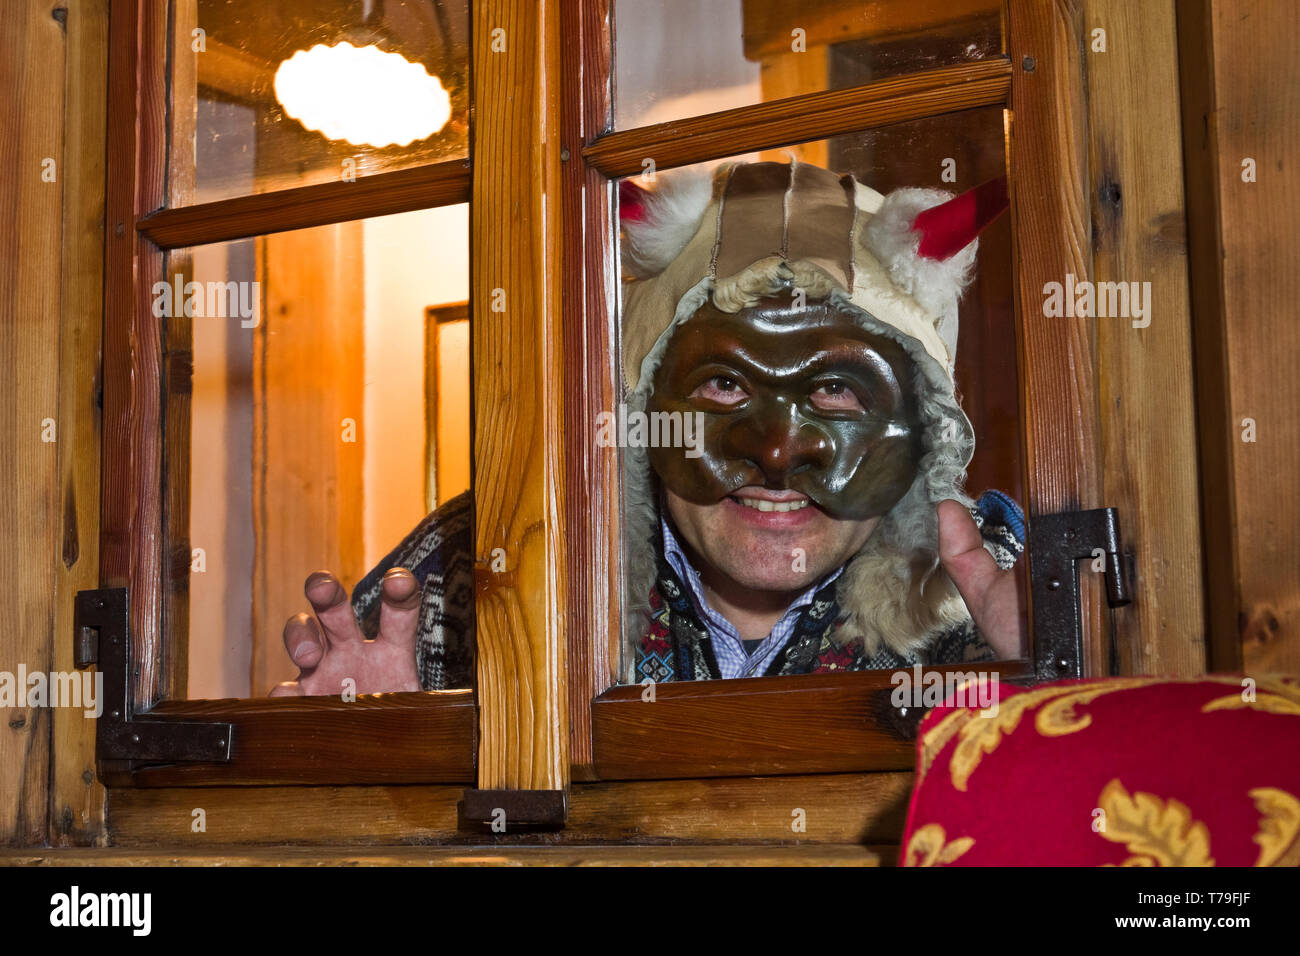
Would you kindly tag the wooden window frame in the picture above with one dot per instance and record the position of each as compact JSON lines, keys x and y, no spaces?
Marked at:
{"x":429,"y":737}
{"x":547,"y":708}
{"x":815,"y":723}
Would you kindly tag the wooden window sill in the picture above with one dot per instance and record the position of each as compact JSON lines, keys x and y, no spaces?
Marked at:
{"x":423,"y":737}
{"x":817,"y":723}
{"x":608,"y":855}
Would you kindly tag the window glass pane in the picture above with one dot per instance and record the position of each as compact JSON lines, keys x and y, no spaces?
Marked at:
{"x":679,"y":58}
{"x":267,"y":96}
{"x":328,"y":414}
{"x":733,"y":575}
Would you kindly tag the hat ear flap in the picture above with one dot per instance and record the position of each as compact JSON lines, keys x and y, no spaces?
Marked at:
{"x":926,"y":239}
{"x":658,"y":222}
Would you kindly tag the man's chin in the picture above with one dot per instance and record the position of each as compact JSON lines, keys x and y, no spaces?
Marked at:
{"x":777,"y":582}
{"x":777,"y":552}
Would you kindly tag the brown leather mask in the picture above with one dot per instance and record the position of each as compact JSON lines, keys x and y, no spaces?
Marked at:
{"x":804,"y":399}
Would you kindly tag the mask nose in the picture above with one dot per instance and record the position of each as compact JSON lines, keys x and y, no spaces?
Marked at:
{"x":775,"y":439}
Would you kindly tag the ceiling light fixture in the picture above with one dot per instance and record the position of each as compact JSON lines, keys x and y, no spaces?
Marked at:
{"x":362,"y":94}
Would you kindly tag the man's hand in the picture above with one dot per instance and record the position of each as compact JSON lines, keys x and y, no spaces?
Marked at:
{"x":989,"y":592}
{"x":330,"y":648}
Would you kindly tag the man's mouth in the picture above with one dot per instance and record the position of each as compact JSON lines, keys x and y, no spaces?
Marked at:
{"x":763,"y":499}
{"x":763,"y":505}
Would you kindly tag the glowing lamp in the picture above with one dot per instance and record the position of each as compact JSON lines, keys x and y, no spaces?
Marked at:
{"x":363,"y":95}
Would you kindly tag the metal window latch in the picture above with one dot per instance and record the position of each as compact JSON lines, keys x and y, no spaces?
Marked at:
{"x":1057,"y":543}
{"x":101,"y":633}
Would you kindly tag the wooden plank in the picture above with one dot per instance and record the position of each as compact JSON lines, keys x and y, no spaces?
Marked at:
{"x":77,"y":800}
{"x":768,"y":23}
{"x":131,"y":533}
{"x":1254,"y":114}
{"x":177,"y":469}
{"x":427,"y":738}
{"x":1148,"y":434}
{"x":518,"y":399}
{"x":864,"y":808}
{"x":382,"y":194}
{"x":460,"y":856}
{"x":590,"y":276}
{"x":32,"y":51}
{"x":1217,"y":436}
{"x":1050,"y":217}
{"x":801,"y":119}
{"x":178,"y":463}
{"x":807,"y":724}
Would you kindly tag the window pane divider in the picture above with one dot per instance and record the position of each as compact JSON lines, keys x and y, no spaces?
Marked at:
{"x":801,"y":119}
{"x":322,"y":204}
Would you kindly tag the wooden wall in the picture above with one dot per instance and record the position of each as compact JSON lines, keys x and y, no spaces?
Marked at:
{"x":1242,"y":121}
{"x":1211,"y":517}
{"x":1145,"y":389}
{"x":52,"y":59}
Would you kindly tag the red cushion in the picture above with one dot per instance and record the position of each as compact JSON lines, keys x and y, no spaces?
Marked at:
{"x":1136,"y":771}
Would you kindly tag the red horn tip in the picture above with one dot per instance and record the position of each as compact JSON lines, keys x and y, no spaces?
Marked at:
{"x":948,"y":228}
{"x":631,"y":201}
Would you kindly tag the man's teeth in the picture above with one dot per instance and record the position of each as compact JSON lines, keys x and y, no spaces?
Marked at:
{"x":762,"y":504}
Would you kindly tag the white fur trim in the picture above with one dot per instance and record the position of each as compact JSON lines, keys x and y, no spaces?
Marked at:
{"x":936,"y":286}
{"x":673,"y":210}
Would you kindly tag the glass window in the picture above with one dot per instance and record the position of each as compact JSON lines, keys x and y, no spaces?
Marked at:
{"x":953,"y":153}
{"x":267,"y":96}
{"x":319,"y":432}
{"x":680,"y":58}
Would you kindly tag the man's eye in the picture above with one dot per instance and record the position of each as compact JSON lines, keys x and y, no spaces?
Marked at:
{"x":722,"y":390}
{"x":836,"y":396}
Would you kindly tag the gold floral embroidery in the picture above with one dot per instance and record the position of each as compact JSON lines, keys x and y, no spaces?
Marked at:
{"x":1155,"y":831}
{"x":976,"y":738}
{"x":1279,"y":827}
{"x":1277,"y":696}
{"x":981,"y":737}
{"x":937,"y":737}
{"x":929,"y":846}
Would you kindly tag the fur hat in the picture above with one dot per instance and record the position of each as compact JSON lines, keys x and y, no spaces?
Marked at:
{"x":895,"y":264}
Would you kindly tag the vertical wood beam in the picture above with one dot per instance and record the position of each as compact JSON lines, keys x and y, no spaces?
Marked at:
{"x":1048,"y":165}
{"x":1148,"y":431}
{"x":518,"y":397}
{"x":131,"y":531}
{"x":1240,"y":101}
{"x":591,"y":382}
{"x":32,"y":50}
{"x":77,"y":797}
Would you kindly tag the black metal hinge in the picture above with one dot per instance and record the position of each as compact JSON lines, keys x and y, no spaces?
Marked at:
{"x":102,"y":637}
{"x":1057,"y":543}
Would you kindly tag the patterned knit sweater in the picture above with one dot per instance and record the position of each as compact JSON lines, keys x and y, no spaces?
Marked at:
{"x":676,"y":645}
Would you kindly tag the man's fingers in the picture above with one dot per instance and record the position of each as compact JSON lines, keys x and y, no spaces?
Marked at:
{"x":303,"y":641}
{"x":990,"y":593}
{"x":399,"y":610}
{"x":958,"y":532}
{"x":961,"y":549}
{"x":330,"y":602}
{"x":288,"y":688}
